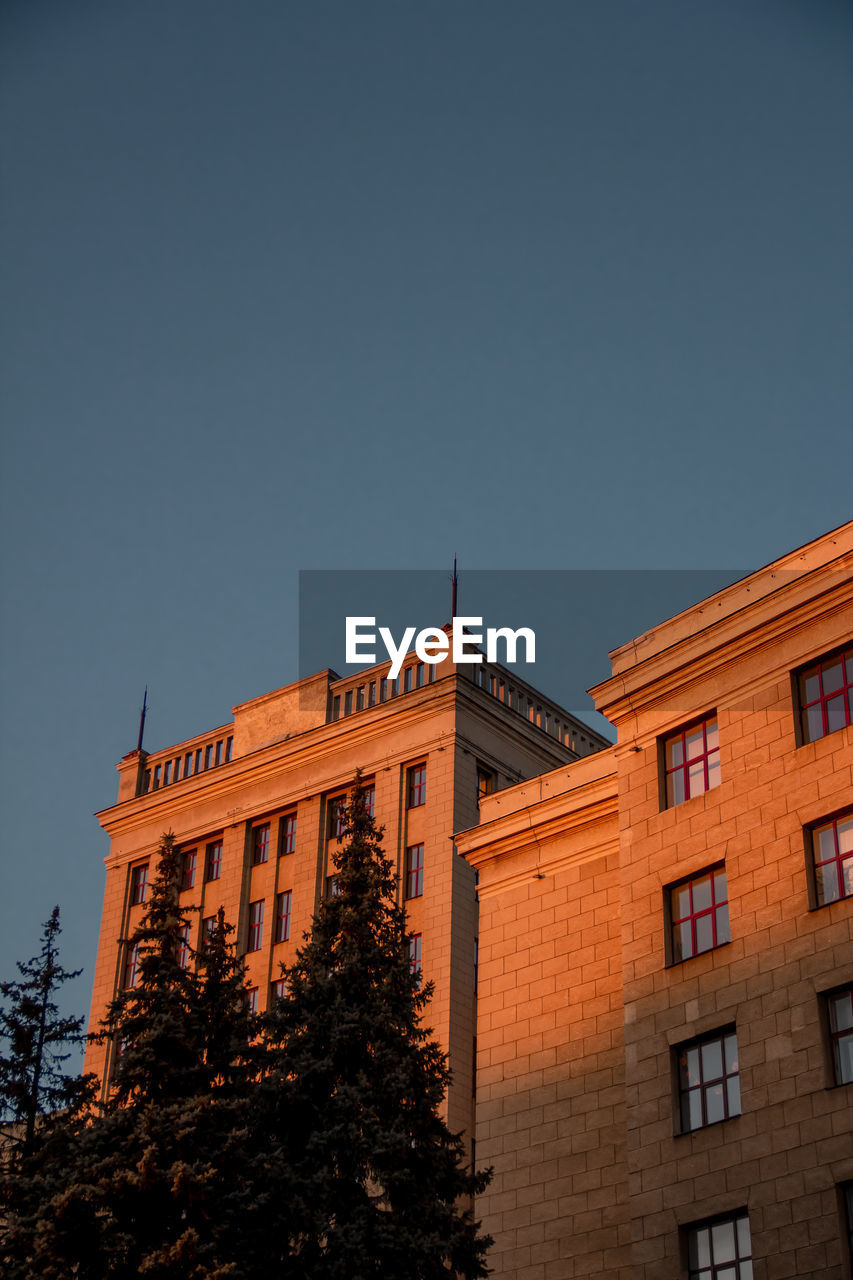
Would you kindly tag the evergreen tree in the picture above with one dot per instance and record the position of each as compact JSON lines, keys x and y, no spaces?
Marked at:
{"x":355,"y":1090}
{"x":38,"y":1043}
{"x":160,"y":1183}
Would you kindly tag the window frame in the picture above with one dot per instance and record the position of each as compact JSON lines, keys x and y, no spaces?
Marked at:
{"x":278,"y":990}
{"x":664,"y":770}
{"x":260,"y":848}
{"x":719,"y":1035}
{"x":184,"y":948}
{"x":337,"y":816}
{"x":255,"y":935}
{"x":212,"y":863}
{"x":832,"y":1036}
{"x":714,"y":1268}
{"x":416,"y":785}
{"x":189,"y":866}
{"x":416,"y":956}
{"x":130,"y":968}
{"x":287,"y":834}
{"x":252,"y":1000}
{"x":139,"y":884}
{"x":282,"y":918}
{"x":414,"y":872}
{"x":671,"y":923}
{"x":801,"y":708}
{"x":813,"y":879}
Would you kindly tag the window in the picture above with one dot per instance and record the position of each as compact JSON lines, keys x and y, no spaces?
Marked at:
{"x":278,"y":990}
{"x":416,"y":790}
{"x":213,"y":860}
{"x":138,"y":884}
{"x":288,"y":833}
{"x":832,"y":860}
{"x":699,"y":914}
{"x":256,"y":925}
{"x":208,"y":928}
{"x":282,"y":916}
{"x":691,"y":761}
{"x":485,"y":783}
{"x":415,"y":871}
{"x":720,"y":1248}
{"x":839,"y":1009}
{"x":260,"y":843}
{"x":825,"y":692}
{"x":415,"y":955}
{"x":188,"y":869}
{"x":370,"y":800}
{"x":252,"y":999}
{"x":183,"y":956}
{"x":333,"y":888}
{"x":337,"y":817}
{"x":131,"y":964}
{"x":708,"y":1080}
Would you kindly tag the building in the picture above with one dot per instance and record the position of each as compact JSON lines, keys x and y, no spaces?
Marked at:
{"x":254,"y":806}
{"x":665,"y":1006}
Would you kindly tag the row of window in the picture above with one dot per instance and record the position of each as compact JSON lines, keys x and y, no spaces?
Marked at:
{"x":278,"y":988}
{"x":708,"y":1072}
{"x":823,"y":693}
{"x":697,"y":907}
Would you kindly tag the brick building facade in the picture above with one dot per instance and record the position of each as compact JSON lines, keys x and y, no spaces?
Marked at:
{"x":665,"y":1007}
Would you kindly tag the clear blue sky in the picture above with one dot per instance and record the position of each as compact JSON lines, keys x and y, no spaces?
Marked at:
{"x":553,"y":284}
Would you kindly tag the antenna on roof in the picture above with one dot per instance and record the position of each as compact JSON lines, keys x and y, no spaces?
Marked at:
{"x":142,"y":719}
{"x":454,"y":592}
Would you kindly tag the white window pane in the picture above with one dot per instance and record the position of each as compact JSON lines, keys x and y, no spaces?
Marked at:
{"x":714,"y":1105}
{"x":836,"y":717}
{"x":722,"y":914}
{"x":702,"y":893}
{"x":712,"y":1060}
{"x":833,"y":677}
{"x":704,"y":934}
{"x":744,"y":1244}
{"x":695,"y":743}
{"x":723,"y":1237}
{"x":714,"y":774}
{"x":845,"y":835}
{"x":733,"y":1087}
{"x":696,"y":778}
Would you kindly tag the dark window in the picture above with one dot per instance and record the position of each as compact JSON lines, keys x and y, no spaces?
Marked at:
{"x":415,"y":871}
{"x":184,"y":946}
{"x":260,"y":843}
{"x":208,"y":927}
{"x":138,"y":884}
{"x":288,"y":833}
{"x":213,"y":860}
{"x":692,"y":761}
{"x":485,"y":783}
{"x":282,"y":916}
{"x":256,"y":925}
{"x":415,"y":955}
{"x":252,"y":999}
{"x":825,"y":692}
{"x":416,"y":791}
{"x":188,"y":861}
{"x":333,"y":888}
{"x":337,"y":817}
{"x":839,"y":1008}
{"x":720,"y":1248}
{"x":708,"y":1080}
{"x":278,"y":990}
{"x":131,"y":964}
{"x":832,"y":854}
{"x":699,"y":914}
{"x":846,"y":1190}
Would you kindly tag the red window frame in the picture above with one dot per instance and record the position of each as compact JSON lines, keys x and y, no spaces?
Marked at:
{"x":415,"y":953}
{"x":256,"y":925}
{"x":708,"y":1080}
{"x":691,"y":761}
{"x":252,"y":999}
{"x":839,"y":1010}
{"x":188,"y":866}
{"x":278,"y":990}
{"x":208,"y":925}
{"x":698,"y":919}
{"x":260,"y":844}
{"x":832,"y":859}
{"x":138,"y":884}
{"x":337,"y":817}
{"x":824,"y":710}
{"x":282,"y":916}
{"x":288,"y":833}
{"x":416,"y":789}
{"x":415,"y":871}
{"x":131,"y":966}
{"x":213,"y":860}
{"x":370,"y":801}
{"x":183,"y":956}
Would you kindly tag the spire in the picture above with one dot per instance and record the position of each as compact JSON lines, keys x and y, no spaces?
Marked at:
{"x":142,"y":719}
{"x":454,"y":592}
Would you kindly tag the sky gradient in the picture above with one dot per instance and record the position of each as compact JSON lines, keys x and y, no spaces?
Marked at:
{"x":552,"y":285}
